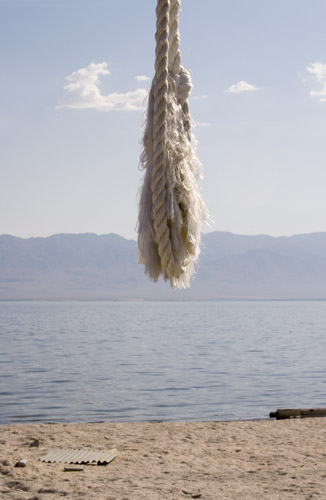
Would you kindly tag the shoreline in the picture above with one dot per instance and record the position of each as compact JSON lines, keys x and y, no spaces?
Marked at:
{"x":151,"y":421}
{"x":256,"y":459}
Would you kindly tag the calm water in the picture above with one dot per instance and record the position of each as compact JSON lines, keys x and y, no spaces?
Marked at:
{"x":94,"y":361}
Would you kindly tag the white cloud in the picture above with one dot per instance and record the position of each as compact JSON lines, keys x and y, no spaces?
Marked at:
{"x":199,"y":97}
{"x":239,"y":87}
{"x":202,"y":124}
{"x":83,"y":92}
{"x":318,"y":70}
{"x":142,"y":78}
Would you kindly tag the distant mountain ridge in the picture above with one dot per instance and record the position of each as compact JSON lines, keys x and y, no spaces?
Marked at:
{"x":92,"y":267}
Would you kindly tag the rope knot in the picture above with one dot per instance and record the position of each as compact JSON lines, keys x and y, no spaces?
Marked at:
{"x":184,"y":86}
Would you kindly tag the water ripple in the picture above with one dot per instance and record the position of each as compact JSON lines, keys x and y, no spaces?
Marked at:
{"x":123,"y":361}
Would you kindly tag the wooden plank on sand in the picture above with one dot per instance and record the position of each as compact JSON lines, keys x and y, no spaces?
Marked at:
{"x":281,"y":414}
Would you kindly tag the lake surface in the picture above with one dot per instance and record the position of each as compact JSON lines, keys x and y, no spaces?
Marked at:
{"x":172,"y":361}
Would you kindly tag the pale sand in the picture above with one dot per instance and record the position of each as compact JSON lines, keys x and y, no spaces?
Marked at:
{"x":165,"y":461}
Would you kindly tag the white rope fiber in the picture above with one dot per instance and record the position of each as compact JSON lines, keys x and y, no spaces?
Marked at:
{"x":171,"y":210}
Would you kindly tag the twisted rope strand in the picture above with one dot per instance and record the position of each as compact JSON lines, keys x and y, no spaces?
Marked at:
{"x":162,"y":234}
{"x":174,"y":38}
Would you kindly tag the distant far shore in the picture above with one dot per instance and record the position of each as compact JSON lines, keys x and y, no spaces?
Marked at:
{"x":230,"y":267}
{"x":167,"y":300}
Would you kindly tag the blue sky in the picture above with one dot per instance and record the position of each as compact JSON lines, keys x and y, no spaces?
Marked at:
{"x":71,"y":112}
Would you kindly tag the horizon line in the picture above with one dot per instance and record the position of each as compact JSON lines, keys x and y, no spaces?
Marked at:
{"x":135,"y":239}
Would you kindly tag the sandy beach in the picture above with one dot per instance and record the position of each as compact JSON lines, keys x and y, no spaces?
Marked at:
{"x":156,"y":461}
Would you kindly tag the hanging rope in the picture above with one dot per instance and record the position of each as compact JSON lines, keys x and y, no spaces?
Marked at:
{"x":171,"y":211}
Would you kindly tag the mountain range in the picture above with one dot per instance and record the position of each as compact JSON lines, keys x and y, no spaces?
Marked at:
{"x":92,"y":267}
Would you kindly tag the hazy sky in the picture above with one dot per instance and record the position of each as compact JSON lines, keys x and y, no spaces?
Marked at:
{"x":72,"y":86}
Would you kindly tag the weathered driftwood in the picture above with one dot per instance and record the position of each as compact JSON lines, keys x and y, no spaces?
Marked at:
{"x":281,"y":414}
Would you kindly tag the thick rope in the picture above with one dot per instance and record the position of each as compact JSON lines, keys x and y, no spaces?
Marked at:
{"x":171,"y":211}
